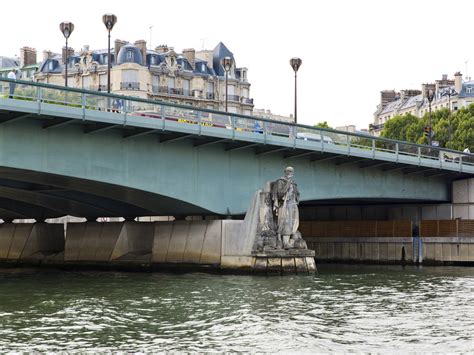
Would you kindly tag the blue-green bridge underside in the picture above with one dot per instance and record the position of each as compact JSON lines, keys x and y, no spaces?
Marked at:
{"x":54,"y":163}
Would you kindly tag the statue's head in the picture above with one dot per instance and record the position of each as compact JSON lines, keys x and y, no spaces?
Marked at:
{"x":289,"y":172}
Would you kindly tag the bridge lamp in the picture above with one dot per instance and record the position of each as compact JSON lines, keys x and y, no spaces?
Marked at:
{"x":109,"y":21}
{"x":227,"y":64}
{"x":430,"y":97}
{"x":295,"y":64}
{"x":66,"y":28}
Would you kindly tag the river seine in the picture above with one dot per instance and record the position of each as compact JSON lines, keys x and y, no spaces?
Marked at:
{"x":343,"y":308}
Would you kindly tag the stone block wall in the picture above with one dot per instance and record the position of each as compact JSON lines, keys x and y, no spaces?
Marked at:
{"x":31,"y":242}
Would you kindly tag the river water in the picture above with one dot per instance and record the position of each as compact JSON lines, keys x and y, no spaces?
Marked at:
{"x":343,"y":308}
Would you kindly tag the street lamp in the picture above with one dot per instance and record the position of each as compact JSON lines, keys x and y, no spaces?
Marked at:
{"x":66,"y":28}
{"x":449,"y":92}
{"x":109,"y":21}
{"x":295,"y":64}
{"x":430,"y":97}
{"x":227,"y":64}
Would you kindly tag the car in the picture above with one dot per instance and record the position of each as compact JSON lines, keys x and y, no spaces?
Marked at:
{"x":314,"y":137}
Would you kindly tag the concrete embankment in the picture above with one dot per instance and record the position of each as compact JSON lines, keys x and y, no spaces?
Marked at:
{"x":219,"y":245}
{"x":211,"y":245}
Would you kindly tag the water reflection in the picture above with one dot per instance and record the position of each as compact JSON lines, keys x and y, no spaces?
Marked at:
{"x":347,"y":308}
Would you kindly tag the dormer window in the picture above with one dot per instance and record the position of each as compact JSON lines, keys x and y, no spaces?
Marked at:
{"x":203,"y":67}
{"x":153,"y":60}
{"x":105,"y":58}
{"x":129,"y":56}
{"x":51,"y":65}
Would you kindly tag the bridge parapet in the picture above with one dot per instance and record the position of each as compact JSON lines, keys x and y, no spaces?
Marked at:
{"x":151,"y":116}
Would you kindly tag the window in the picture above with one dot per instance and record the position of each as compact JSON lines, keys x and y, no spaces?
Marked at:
{"x":129,"y":76}
{"x":245,"y":92}
{"x":51,"y":65}
{"x":86,"y":82}
{"x":186,"y":87}
{"x":105,"y":58}
{"x":130,"y":56}
{"x":210,"y":88}
{"x":153,"y":60}
{"x":203,"y":67}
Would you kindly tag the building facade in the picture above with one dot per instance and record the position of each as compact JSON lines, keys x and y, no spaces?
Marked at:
{"x":448,"y":93}
{"x":192,"y":77}
{"x":27,"y":65}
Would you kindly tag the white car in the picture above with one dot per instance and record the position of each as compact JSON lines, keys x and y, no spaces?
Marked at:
{"x":314,"y":137}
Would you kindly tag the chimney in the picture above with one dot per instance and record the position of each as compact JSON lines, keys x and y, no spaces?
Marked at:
{"x":190,"y":55}
{"x":387,"y":96}
{"x":27,"y":56}
{"x":163,"y":48}
{"x":47,"y":55}
{"x":70,"y":52}
{"x":458,"y":82}
{"x":118,"y":44}
{"x":141,"y":44}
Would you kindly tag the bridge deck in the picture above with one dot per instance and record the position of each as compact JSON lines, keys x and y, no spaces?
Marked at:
{"x":98,"y":111}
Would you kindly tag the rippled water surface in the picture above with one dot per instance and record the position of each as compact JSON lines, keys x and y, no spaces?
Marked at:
{"x":344,"y":308}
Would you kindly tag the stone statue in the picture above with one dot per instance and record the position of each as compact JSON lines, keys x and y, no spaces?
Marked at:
{"x":279,"y":216}
{"x":285,"y":197}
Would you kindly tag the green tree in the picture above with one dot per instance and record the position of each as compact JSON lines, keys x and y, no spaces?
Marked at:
{"x":322,"y":125}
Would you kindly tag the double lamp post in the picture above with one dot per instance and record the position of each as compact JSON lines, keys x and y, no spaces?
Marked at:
{"x":66,"y":28}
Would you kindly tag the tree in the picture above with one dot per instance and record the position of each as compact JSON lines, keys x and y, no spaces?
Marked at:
{"x":322,"y":125}
{"x":453,"y":130}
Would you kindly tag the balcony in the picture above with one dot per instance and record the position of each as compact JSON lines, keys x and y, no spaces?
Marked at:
{"x":210,"y":96}
{"x":246,"y":100}
{"x":129,"y":85}
{"x":235,"y":98}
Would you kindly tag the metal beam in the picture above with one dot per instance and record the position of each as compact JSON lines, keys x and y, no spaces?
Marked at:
{"x":100,"y":128}
{"x":396,"y":167}
{"x":242,"y":147}
{"x":272,"y":151}
{"x":57,"y":122}
{"x":210,"y":142}
{"x":301,"y":154}
{"x":417,"y":171}
{"x":328,"y":158}
{"x":139,"y":133}
{"x":16,"y":118}
{"x":350,"y":162}
{"x":376,"y":164}
{"x":174,"y":138}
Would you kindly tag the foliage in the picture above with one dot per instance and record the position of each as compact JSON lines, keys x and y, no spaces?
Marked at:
{"x":459,"y":125}
{"x":323,"y":124}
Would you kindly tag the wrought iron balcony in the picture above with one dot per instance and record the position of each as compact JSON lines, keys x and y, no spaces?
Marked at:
{"x":129,"y":85}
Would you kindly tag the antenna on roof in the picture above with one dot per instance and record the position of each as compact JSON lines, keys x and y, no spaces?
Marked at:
{"x":467,"y":77}
{"x":151,"y":31}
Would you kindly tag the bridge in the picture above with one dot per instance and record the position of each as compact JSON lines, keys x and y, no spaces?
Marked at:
{"x":65,"y":151}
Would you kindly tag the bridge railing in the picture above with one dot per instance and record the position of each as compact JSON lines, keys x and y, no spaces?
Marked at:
{"x":321,"y":138}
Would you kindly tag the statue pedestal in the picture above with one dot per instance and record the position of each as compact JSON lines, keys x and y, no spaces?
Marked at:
{"x":279,"y":262}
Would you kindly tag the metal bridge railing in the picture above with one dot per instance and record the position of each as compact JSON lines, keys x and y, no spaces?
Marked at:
{"x":322,"y":139}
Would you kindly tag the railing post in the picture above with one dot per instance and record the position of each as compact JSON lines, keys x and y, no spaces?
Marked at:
{"x":460,"y":163}
{"x":39,"y":95}
{"x":348,"y":142}
{"x":232,"y":122}
{"x":322,"y":140}
{"x":373,"y":148}
{"x":419,"y":156}
{"x":162,"y":117}
{"x":264,"y":126}
{"x":83,"y":105}
{"x":199,"y":119}
{"x":396,"y":152}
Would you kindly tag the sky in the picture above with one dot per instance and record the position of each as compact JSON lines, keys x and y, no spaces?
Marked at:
{"x":351,"y":50}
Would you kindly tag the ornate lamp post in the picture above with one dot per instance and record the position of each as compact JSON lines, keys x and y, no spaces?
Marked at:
{"x":449,"y":92}
{"x":295,"y":64}
{"x":227,"y":64}
{"x":109,"y":21}
{"x":66,"y":28}
{"x":430,"y":97}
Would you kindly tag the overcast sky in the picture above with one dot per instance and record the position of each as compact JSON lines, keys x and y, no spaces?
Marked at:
{"x":351,"y":50}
